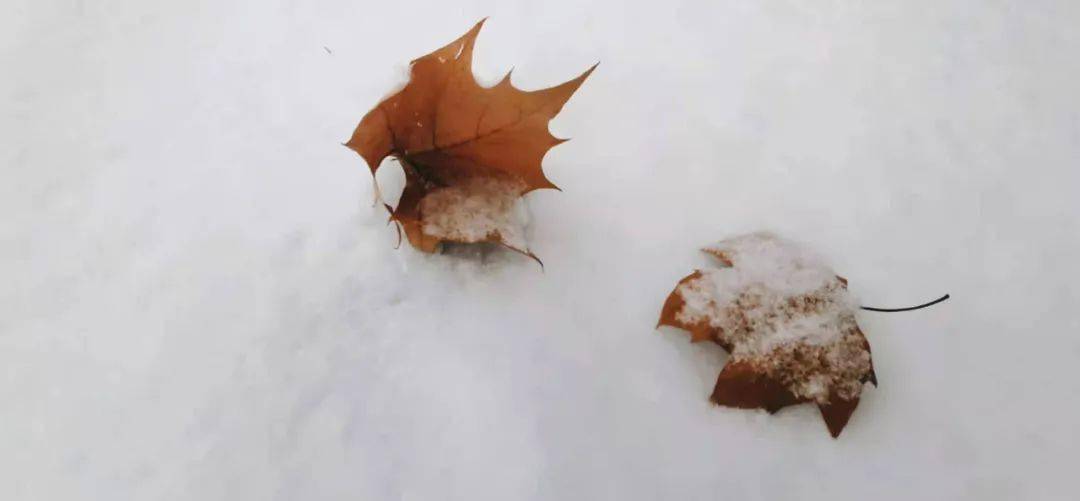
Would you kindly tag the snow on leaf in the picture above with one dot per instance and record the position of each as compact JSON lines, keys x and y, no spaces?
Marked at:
{"x":788,"y":322}
{"x":480,"y":209}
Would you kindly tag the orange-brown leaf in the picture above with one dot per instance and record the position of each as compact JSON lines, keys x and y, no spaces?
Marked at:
{"x":445,"y":129}
{"x":787,"y":321}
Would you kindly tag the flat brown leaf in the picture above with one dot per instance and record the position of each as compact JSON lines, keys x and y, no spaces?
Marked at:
{"x":485,"y":145}
{"x":788,"y":322}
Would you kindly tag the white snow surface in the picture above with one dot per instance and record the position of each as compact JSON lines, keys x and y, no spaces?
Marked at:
{"x":200,"y":302}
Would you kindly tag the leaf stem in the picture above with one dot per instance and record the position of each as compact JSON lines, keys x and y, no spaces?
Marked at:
{"x":910,"y":308}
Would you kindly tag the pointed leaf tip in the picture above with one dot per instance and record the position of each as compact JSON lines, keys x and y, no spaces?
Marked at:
{"x":837,"y":414}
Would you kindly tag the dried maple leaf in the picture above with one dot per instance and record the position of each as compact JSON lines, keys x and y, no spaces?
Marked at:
{"x":469,"y":152}
{"x":788,"y":322}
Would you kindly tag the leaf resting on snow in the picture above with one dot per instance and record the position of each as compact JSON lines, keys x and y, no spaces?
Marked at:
{"x":469,"y":153}
{"x":787,"y":320}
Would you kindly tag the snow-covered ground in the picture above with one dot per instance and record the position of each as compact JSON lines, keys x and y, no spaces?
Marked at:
{"x":199,"y":302}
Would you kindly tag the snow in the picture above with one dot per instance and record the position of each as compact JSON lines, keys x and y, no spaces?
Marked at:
{"x":477,"y":210}
{"x":782,"y":309}
{"x":776,"y":263}
{"x":200,"y":302}
{"x":770,"y":269}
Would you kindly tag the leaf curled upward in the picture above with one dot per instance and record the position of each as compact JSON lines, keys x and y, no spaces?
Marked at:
{"x":469,"y":152}
{"x":788,"y":322}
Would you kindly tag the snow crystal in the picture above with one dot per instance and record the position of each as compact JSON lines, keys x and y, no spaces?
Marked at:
{"x":477,"y":210}
{"x":779,"y":306}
